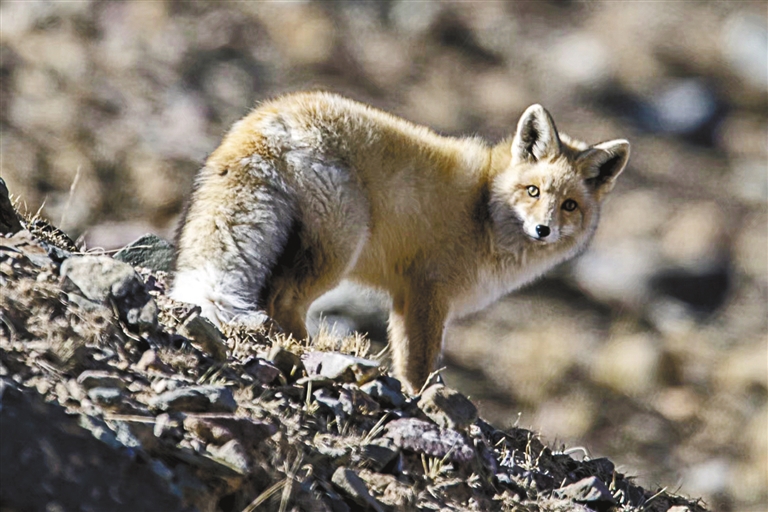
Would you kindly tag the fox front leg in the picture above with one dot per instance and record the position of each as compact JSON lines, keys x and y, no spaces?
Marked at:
{"x":416,"y":329}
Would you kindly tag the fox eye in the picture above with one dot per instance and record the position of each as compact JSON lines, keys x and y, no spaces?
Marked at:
{"x":533,"y":191}
{"x":569,"y":205}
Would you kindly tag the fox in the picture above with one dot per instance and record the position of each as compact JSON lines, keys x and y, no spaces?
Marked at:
{"x":311,"y":188}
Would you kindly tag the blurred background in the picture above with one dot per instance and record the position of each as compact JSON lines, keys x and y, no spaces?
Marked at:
{"x":651,"y":348}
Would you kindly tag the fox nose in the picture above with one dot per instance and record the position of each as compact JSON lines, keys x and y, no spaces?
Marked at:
{"x":542,"y":231}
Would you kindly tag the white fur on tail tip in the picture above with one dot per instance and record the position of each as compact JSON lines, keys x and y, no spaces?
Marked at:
{"x":211,"y":289}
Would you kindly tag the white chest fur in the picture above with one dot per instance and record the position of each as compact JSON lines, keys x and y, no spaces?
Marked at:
{"x":493,"y":282}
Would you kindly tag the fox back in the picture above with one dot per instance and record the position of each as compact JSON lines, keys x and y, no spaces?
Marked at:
{"x":312,"y":188}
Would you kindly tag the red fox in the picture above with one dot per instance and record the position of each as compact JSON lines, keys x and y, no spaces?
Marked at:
{"x":311,"y":188}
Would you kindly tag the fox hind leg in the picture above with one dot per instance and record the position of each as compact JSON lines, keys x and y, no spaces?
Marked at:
{"x":323,"y":246}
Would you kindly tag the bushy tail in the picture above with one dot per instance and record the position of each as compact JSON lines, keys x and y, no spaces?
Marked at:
{"x":229,"y":240}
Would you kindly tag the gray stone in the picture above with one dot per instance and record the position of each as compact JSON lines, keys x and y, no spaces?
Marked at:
{"x":166,"y":427}
{"x":386,"y":391}
{"x":232,"y":454}
{"x":263,"y":371}
{"x":325,"y":398}
{"x":106,"y":397}
{"x":286,"y":361}
{"x":447,"y":407}
{"x":376,"y":455}
{"x":423,"y":437}
{"x":354,"y":401}
{"x":588,"y":490}
{"x":195,"y":399}
{"x":347,"y":481}
{"x":149,"y":251}
{"x":98,"y":378}
{"x":103,"y":279}
{"x":150,"y":360}
{"x":339,"y":367}
{"x":204,"y":336}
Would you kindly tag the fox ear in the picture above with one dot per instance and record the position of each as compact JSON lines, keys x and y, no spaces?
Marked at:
{"x":602,"y":163}
{"x":536,"y":136}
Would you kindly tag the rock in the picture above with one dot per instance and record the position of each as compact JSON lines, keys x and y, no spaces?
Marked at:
{"x":24,"y":243}
{"x":48,"y":462}
{"x":325,"y":398}
{"x":263,"y":371}
{"x":106,"y":397}
{"x":167,"y":427}
{"x":339,"y":367}
{"x":96,"y":378}
{"x":351,"y":485}
{"x":150,"y":359}
{"x":447,"y":407}
{"x":354,"y":401}
{"x":423,"y":437}
{"x":204,"y":336}
{"x":149,"y":251}
{"x":233,"y":454}
{"x":195,"y":399}
{"x":590,"y":491}
{"x":222,"y":428}
{"x":102,"y":279}
{"x":386,"y":391}
{"x":376,"y":455}
{"x":286,"y":361}
{"x":9,"y":220}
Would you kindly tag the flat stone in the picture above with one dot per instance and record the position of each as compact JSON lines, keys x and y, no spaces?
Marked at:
{"x":447,"y":407}
{"x":195,"y":399}
{"x":589,"y":490}
{"x":98,"y":378}
{"x":423,"y":437}
{"x":149,"y":251}
{"x":232,"y":454}
{"x":339,"y":367}
{"x":350,"y":484}
{"x":386,"y":391}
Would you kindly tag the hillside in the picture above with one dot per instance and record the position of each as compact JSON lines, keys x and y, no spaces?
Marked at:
{"x":114,"y":397}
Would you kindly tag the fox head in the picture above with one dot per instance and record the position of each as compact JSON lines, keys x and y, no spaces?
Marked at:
{"x":552,"y":186}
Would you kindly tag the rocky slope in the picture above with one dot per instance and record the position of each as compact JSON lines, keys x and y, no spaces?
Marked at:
{"x":114,"y":397}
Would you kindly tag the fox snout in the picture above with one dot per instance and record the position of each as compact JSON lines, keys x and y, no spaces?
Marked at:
{"x":541,"y":230}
